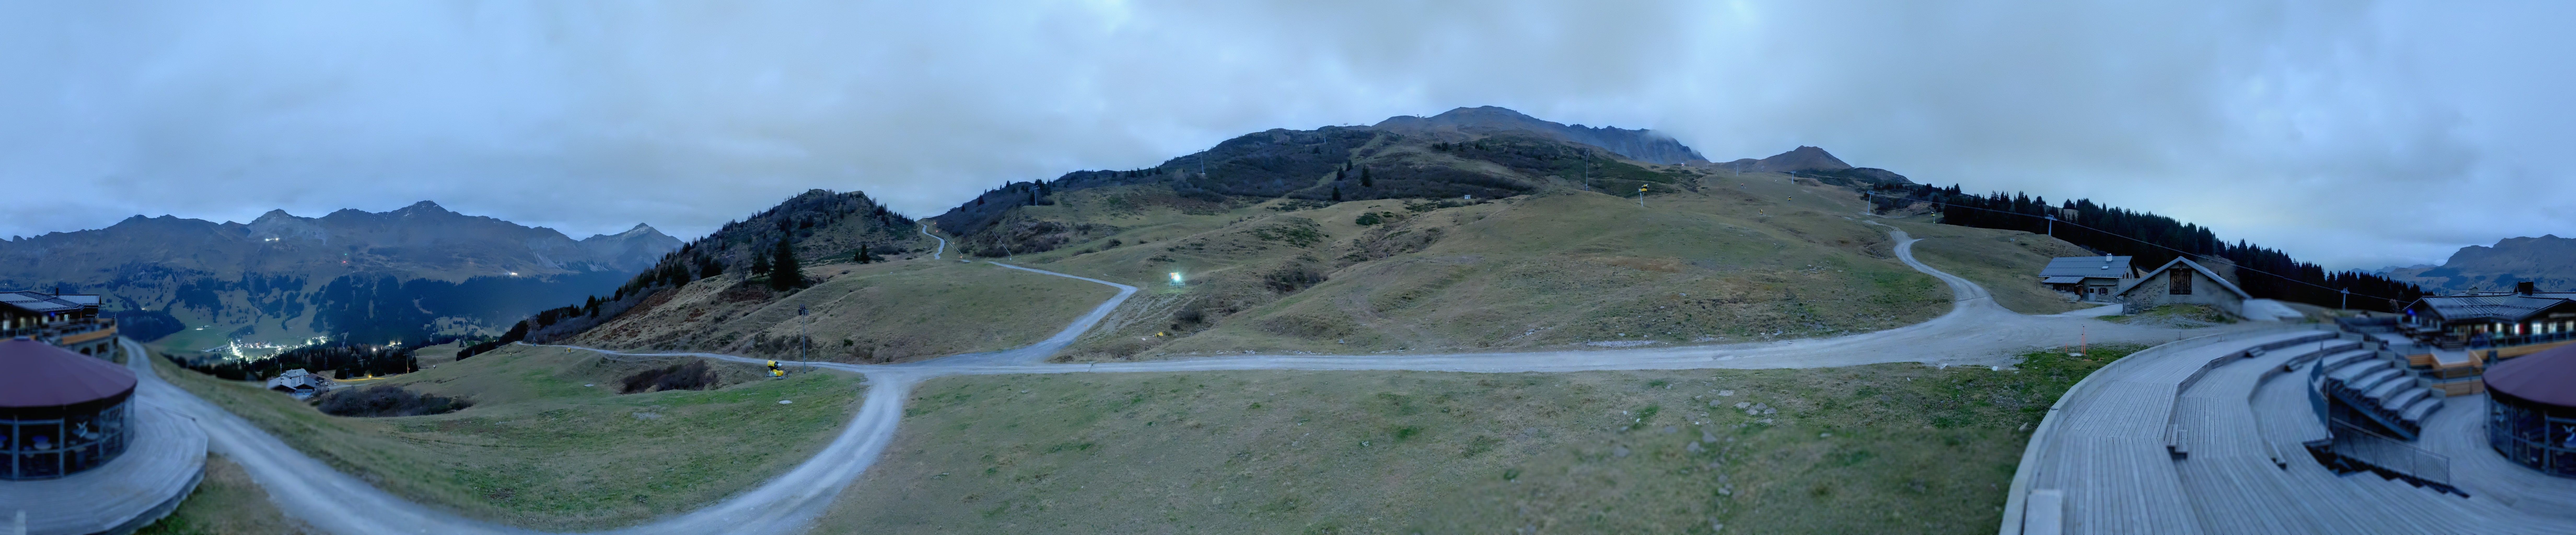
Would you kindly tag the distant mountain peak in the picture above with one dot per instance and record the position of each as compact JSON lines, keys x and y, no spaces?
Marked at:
{"x":1802,"y":159}
{"x":2545,"y":260}
{"x":1639,"y":144}
{"x":423,"y":206}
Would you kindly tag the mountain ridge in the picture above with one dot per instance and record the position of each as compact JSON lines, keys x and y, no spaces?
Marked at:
{"x":262,"y":277}
{"x":2548,"y":261}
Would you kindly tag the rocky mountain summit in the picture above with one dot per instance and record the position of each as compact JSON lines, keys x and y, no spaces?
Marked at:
{"x":1815,"y":162}
{"x":1463,"y":123}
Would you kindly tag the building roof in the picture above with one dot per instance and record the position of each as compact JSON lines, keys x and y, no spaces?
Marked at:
{"x":2087,"y":266}
{"x":37,"y":374}
{"x":2194,"y":266}
{"x":2061,"y":280}
{"x":2541,"y":377}
{"x":40,"y":302}
{"x":2501,"y":307}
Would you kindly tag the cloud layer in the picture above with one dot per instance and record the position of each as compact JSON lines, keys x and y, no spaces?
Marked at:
{"x":2354,"y":134}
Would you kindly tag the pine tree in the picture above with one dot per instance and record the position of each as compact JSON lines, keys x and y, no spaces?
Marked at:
{"x":1364,"y":179}
{"x":1337,"y":194}
{"x":760,"y":265}
{"x":863,"y":253}
{"x":784,"y":273}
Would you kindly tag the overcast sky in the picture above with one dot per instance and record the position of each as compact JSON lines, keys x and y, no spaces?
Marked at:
{"x":2353,"y":134}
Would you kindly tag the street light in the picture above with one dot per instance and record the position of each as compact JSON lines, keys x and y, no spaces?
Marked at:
{"x":1176,"y":278}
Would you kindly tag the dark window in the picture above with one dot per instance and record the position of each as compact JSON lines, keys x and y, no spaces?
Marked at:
{"x":2181,"y":282}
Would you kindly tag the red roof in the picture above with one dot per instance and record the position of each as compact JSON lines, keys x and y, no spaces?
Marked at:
{"x":37,"y":374}
{"x":2546,"y":377}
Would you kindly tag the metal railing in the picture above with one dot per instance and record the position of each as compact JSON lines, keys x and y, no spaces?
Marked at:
{"x":2380,"y":451}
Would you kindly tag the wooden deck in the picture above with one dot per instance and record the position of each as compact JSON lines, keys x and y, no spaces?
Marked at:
{"x":2242,"y":424}
{"x":161,"y":466}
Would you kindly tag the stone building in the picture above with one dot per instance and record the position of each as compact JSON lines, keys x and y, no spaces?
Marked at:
{"x":2182,"y":281}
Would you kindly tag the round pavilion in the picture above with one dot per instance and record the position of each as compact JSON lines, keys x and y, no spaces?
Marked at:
{"x":2531,"y":410}
{"x":60,"y":412}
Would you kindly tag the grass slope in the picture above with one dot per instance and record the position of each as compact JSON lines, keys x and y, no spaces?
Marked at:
{"x":543,"y":451}
{"x":227,"y":502}
{"x":880,"y":312}
{"x":1894,"y":448}
{"x":2006,"y":262}
{"x":1740,"y":258}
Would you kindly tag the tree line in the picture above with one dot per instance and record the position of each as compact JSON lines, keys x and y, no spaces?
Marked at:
{"x":344,"y":360}
{"x":2154,"y":240}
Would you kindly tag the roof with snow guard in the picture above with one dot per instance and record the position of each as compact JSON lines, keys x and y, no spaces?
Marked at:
{"x":2496,"y":307}
{"x":40,"y":302}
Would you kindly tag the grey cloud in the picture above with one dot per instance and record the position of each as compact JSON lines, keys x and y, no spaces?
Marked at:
{"x":2357,"y":134}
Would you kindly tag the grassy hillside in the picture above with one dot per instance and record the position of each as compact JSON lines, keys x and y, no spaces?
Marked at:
{"x":542,"y":449}
{"x":1891,"y":448}
{"x":878,"y":312}
{"x":1734,"y":257}
{"x":2006,"y":262}
{"x":226,"y":502}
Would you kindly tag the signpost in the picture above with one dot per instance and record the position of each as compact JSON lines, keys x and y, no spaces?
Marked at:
{"x":1641,"y":196}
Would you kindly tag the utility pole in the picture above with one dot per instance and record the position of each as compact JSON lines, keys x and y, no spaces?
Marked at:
{"x":2052,"y":226}
{"x":2347,"y":299}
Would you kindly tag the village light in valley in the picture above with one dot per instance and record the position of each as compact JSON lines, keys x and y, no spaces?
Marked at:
{"x":1176,"y":278}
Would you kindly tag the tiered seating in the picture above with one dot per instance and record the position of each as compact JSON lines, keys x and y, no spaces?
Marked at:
{"x":2380,"y":389}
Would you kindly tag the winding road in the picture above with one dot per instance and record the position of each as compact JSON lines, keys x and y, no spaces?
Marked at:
{"x":1975,"y":331}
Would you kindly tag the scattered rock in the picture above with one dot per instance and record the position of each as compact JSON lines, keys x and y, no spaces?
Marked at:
{"x":1694,"y":447}
{"x":1709,"y":437}
{"x":1725,"y":393}
{"x":784,"y":402}
{"x":1619,"y":451}
{"x":1672,"y":429}
{"x":1743,"y":404}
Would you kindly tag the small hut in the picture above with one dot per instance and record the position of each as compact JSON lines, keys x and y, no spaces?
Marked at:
{"x":60,"y":412}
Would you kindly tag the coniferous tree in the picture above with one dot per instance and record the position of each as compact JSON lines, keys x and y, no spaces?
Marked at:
{"x":1337,"y":194}
{"x":863,"y":253}
{"x":1364,"y":179}
{"x":784,"y":273}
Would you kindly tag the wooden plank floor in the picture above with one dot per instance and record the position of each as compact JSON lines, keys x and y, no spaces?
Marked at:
{"x":165,"y":460}
{"x":2103,"y":449}
{"x":2234,"y":487}
{"x":2106,"y":449}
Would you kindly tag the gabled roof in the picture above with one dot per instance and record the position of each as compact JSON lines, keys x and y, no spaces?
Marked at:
{"x":2504,"y":307}
{"x":2179,"y":263}
{"x":2087,"y":266}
